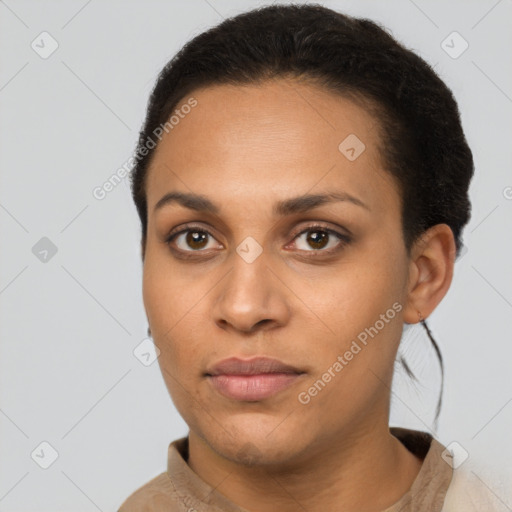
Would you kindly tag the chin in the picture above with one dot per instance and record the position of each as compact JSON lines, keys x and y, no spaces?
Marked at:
{"x":253,"y":443}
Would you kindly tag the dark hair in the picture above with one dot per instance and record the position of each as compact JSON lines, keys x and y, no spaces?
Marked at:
{"x":422,"y":142}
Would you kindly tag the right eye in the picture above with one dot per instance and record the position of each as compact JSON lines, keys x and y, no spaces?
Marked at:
{"x":191,"y":239}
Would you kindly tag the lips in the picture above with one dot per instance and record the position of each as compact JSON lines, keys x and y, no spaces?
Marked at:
{"x":253,"y":379}
{"x":254,"y":366}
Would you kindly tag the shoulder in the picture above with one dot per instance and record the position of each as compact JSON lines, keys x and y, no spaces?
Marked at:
{"x":469,"y":492}
{"x":157,"y":495}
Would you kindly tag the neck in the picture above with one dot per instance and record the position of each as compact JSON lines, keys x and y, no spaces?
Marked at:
{"x":330,"y":474}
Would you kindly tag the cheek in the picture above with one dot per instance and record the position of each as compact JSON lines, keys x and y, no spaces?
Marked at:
{"x":173,"y":306}
{"x":163,"y":298}
{"x":362,"y":310}
{"x":172,"y":317}
{"x":165,"y":293}
{"x":360,"y":303}
{"x":352,"y":296}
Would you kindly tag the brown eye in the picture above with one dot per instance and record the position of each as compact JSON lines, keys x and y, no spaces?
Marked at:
{"x":319,"y":239}
{"x":196,"y":239}
{"x":192,"y":240}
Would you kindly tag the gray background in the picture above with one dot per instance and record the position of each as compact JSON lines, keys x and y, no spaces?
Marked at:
{"x":70,"y":323}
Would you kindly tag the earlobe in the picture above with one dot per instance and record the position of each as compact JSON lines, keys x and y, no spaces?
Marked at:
{"x":431,"y":272}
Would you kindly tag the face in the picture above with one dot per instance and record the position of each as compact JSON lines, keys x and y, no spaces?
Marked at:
{"x":287,"y":246}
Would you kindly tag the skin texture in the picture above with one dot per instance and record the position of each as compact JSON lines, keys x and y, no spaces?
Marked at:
{"x":246,"y":148}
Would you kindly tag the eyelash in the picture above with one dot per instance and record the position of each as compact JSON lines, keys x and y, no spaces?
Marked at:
{"x":343,"y":238}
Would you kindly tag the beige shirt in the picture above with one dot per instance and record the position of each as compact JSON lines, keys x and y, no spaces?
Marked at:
{"x":180,"y":489}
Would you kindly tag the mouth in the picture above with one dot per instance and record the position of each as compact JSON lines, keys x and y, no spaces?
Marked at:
{"x":252,"y":380}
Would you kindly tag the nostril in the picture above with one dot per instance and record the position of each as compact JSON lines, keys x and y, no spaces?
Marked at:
{"x":266,"y":320}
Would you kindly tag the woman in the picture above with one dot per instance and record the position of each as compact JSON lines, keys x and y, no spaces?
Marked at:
{"x":302,"y":184}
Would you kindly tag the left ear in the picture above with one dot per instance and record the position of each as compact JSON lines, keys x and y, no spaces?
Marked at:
{"x":430,"y":272}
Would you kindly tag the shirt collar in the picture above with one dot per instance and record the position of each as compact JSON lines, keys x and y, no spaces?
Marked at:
{"x":427,"y":492}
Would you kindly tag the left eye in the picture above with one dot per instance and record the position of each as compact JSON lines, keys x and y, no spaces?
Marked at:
{"x":318,"y":239}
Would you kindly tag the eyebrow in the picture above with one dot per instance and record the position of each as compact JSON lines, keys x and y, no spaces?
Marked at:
{"x":284,"y":207}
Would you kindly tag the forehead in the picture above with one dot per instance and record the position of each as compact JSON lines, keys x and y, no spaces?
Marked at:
{"x":277,"y":136}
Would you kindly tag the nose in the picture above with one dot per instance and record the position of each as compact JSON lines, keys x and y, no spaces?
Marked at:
{"x":251,"y":297}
